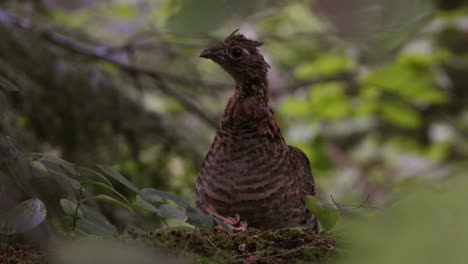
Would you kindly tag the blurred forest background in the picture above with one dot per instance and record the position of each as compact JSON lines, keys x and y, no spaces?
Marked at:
{"x":373,"y":91}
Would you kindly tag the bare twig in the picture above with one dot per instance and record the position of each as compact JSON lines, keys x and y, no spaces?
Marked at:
{"x":309,"y":245}
{"x":190,"y":238}
{"x":362,"y":205}
{"x":215,"y":247}
{"x":75,"y":214}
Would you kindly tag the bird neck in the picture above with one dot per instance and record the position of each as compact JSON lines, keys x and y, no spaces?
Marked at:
{"x":248,"y":108}
{"x":252,"y":87}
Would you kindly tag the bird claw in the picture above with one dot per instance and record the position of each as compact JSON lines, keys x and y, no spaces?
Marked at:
{"x":234,"y":223}
{"x":241,"y":226}
{"x":230,"y":220}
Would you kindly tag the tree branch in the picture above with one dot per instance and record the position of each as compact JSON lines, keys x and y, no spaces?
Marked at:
{"x":348,"y":76}
{"x":101,"y":53}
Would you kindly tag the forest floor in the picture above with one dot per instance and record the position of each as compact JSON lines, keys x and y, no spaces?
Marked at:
{"x":20,"y":255}
{"x":293,"y":245}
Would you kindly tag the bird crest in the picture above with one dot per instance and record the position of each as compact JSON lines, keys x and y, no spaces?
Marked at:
{"x":239,"y":56}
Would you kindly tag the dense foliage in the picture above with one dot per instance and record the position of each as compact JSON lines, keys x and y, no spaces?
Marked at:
{"x":374,"y":92}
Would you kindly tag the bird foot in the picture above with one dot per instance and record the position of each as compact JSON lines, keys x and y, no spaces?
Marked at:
{"x":235,"y":228}
{"x":234,"y":223}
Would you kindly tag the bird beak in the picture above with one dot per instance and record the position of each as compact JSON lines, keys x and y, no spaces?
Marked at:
{"x":207,"y":54}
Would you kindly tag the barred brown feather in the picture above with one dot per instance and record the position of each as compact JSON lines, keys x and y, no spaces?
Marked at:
{"x":249,"y":169}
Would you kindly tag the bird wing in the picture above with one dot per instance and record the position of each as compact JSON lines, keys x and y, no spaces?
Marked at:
{"x":304,"y":174}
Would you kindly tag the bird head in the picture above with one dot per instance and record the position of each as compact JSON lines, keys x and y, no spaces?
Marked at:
{"x":239,"y":56}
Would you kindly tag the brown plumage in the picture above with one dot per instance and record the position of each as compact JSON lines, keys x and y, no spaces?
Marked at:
{"x":249,"y":169}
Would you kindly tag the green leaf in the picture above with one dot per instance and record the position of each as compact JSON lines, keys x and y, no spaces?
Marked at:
{"x":39,"y":166}
{"x":398,"y":79}
{"x":124,"y":11}
{"x":165,"y":211}
{"x":93,"y":222}
{"x":296,"y":107}
{"x":69,"y":208}
{"x":142,"y":203}
{"x":68,"y":166}
{"x":7,"y":85}
{"x":23,"y":217}
{"x":67,"y":184}
{"x":168,"y":212}
{"x":149,"y":194}
{"x":329,"y":101}
{"x":117,"y":176}
{"x":53,"y":159}
{"x":376,"y":28}
{"x":400,"y":115}
{"x":106,"y":187}
{"x":327,"y":216}
{"x":108,"y":199}
{"x":187,"y":19}
{"x":425,"y":225}
{"x":198,"y":219}
{"x":223,"y":225}
{"x":97,"y":174}
{"x":324,"y":66}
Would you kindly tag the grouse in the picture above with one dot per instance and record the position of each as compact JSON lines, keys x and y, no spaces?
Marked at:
{"x":249,"y":169}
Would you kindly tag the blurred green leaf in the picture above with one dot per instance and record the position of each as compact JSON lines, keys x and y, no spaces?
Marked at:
{"x":151,"y":194}
{"x":107,"y":198}
{"x":426,"y":225}
{"x":117,"y":176}
{"x":94,"y":222}
{"x":165,"y":211}
{"x":326,"y":65}
{"x":296,"y":107}
{"x":126,"y":11}
{"x":79,"y":18}
{"x":411,"y":77}
{"x":66,"y":184}
{"x":400,"y":115}
{"x":23,"y":217}
{"x":326,"y":215}
{"x":198,"y":219}
{"x":187,"y":19}
{"x":69,"y":207}
{"x":142,"y":203}
{"x":99,"y":175}
{"x":65,"y":164}
{"x":168,"y":212}
{"x":106,"y":187}
{"x":329,"y":101}
{"x":223,"y":225}
{"x":7,"y":85}
{"x":377,"y":28}
{"x":39,"y":166}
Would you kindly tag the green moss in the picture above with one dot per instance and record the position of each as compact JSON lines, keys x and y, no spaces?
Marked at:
{"x":293,"y":245}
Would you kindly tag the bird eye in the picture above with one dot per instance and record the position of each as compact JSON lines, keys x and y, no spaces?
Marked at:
{"x":236,"y":52}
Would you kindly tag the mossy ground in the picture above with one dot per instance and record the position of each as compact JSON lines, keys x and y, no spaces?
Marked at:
{"x":20,"y":255}
{"x":293,"y":245}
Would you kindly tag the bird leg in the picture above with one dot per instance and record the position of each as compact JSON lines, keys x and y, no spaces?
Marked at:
{"x":234,"y":223}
